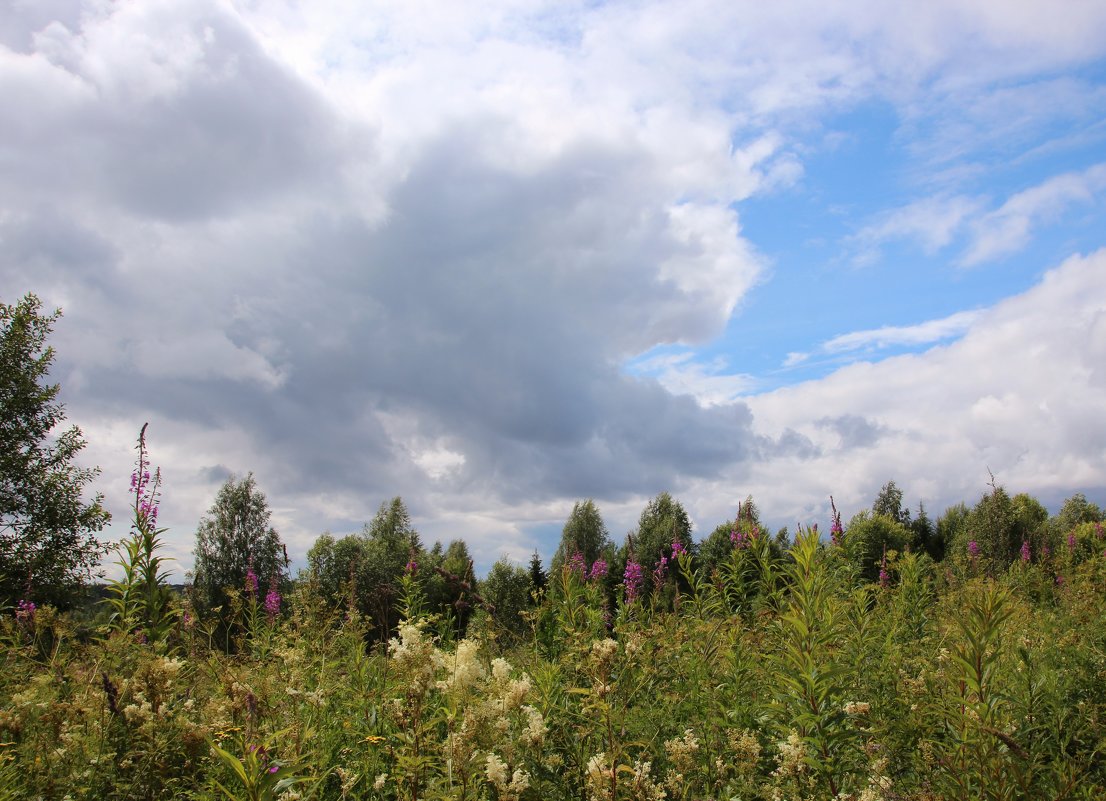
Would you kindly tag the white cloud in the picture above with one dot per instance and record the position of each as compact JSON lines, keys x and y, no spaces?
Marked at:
{"x":910,"y":335}
{"x":931,"y":222}
{"x":1008,"y":229}
{"x":277,"y":227}
{"x":1020,"y":394}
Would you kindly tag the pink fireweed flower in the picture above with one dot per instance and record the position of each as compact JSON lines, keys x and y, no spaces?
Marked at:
{"x":738,"y":538}
{"x":678,"y":548}
{"x":251,"y":580}
{"x":884,"y":576}
{"x":1071,"y":541}
{"x":836,"y":531}
{"x":973,"y":550}
{"x":598,"y":570}
{"x":272,"y":601}
{"x":1098,"y":531}
{"x":411,"y":568}
{"x":632,"y":579}
{"x":1025,"y":550}
{"x":576,"y":564}
{"x":25,"y":611}
{"x":659,"y":572}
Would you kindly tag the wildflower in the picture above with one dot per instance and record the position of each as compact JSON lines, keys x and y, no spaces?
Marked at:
{"x":1025,"y":550}
{"x":632,"y":580}
{"x":467,"y":670}
{"x":659,"y":572}
{"x":272,"y":601}
{"x":378,"y":783}
{"x":857,"y":708}
{"x":577,"y":565}
{"x":1059,"y":580}
{"x":25,"y":612}
{"x":535,"y":730}
{"x":642,"y":785}
{"x":738,"y":538}
{"x":973,"y":550}
{"x":884,"y":576}
{"x":598,"y":570}
{"x":791,"y":760}
{"x":599,"y":777}
{"x":412,"y":567}
{"x":678,"y":549}
{"x":496,"y":770}
{"x":1071,"y":541}
{"x":1098,"y":531}
{"x":251,"y":580}
{"x":836,"y":531}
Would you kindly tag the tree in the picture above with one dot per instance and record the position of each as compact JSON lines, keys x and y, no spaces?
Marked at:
{"x":868,"y":537}
{"x":663,"y":521}
{"x":1075,"y":511}
{"x":584,"y":532}
{"x":235,"y":539}
{"x":366,"y":569}
{"x":538,"y":578}
{"x":48,"y":543}
{"x":889,"y":503}
{"x":507,"y":591}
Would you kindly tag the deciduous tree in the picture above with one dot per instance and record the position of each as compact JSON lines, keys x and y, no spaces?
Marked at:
{"x":48,"y":531}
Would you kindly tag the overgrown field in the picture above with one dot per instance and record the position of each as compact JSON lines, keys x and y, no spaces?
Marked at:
{"x":782,"y":675}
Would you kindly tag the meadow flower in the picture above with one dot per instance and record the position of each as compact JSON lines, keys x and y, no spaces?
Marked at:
{"x":1071,"y":541}
{"x":836,"y":531}
{"x":1025,"y":550}
{"x":973,"y":550}
{"x":251,"y":580}
{"x":25,"y":611}
{"x":738,"y":538}
{"x":272,"y":601}
{"x":659,"y":572}
{"x":632,"y":580}
{"x":678,"y":548}
{"x":466,"y":668}
{"x":577,"y":565}
{"x":599,"y":776}
{"x":598,"y":570}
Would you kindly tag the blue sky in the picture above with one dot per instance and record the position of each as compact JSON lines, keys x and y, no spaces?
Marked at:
{"x":496,"y":258}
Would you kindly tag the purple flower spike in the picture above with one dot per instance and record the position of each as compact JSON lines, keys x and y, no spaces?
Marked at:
{"x":632,"y":579}
{"x":1025,"y":550}
{"x":272,"y":601}
{"x":598,"y":570}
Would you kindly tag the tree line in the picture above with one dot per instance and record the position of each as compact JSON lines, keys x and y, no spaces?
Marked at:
{"x":50,"y":548}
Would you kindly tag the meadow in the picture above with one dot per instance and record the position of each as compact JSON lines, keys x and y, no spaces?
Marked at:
{"x":781,"y":674}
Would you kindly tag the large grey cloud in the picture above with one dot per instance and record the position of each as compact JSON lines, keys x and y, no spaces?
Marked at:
{"x":362,"y":256}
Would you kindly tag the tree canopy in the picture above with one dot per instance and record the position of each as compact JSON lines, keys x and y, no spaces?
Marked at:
{"x":235,"y":539}
{"x":48,"y":532}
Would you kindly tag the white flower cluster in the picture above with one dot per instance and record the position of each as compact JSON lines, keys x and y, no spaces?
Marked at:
{"x":506,"y":789}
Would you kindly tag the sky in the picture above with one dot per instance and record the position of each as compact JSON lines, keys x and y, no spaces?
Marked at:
{"x":499,"y":257}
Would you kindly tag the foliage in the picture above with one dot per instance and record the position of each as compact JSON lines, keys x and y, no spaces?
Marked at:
{"x":236,"y":550}
{"x":48,"y":543}
{"x":143,"y":601}
{"x":506,"y":594}
{"x":584,"y":533}
{"x":663,"y":523}
{"x":776,"y":673}
{"x":868,"y":539}
{"x":889,"y":504}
